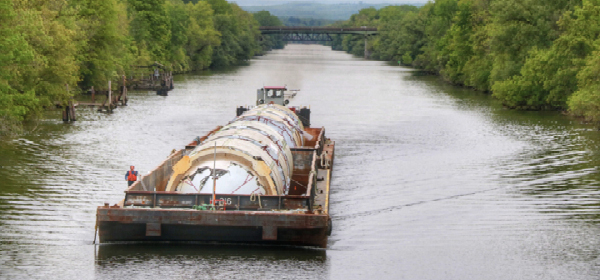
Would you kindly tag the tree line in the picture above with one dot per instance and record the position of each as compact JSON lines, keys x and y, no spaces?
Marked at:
{"x":530,"y":54}
{"x":49,"y":44}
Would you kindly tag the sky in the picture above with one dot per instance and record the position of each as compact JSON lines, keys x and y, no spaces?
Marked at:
{"x":277,"y":2}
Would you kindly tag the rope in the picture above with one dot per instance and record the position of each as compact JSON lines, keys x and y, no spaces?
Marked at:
{"x":299,"y":183}
{"x":189,"y":182}
{"x":143,"y":185}
{"x":253,"y":196}
{"x":315,"y":174}
{"x":95,"y":231}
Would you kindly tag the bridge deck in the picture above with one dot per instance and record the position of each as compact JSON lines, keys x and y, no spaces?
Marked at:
{"x":317,"y":30}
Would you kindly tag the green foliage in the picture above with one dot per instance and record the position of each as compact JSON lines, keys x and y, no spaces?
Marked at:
{"x":438,"y":20}
{"x":585,"y":101}
{"x":517,"y":27}
{"x":15,"y":101}
{"x":239,"y":34}
{"x":401,"y":34}
{"x":106,"y":49}
{"x":247,"y":36}
{"x":196,"y":36}
{"x":180,"y":23}
{"x":477,"y":68}
{"x":51,"y":32}
{"x":151,"y":29}
{"x":269,"y":42}
{"x":265,"y":18}
{"x":549,"y":76}
{"x":459,"y":44}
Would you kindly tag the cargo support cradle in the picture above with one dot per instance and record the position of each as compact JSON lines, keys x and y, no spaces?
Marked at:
{"x":166,"y":216}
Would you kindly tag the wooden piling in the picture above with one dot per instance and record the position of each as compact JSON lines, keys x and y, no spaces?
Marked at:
{"x":68,"y":114}
{"x":65,"y":115}
{"x":110,"y":103}
{"x":171,"y":78}
{"x":124,"y":91}
{"x":102,"y":106}
{"x":71,"y":109}
{"x":109,"y":97}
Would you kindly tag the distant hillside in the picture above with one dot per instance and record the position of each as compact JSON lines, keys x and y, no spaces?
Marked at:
{"x":316,"y":10}
{"x":295,"y":21}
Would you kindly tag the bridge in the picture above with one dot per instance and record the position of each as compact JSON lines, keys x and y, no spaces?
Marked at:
{"x":316,"y":33}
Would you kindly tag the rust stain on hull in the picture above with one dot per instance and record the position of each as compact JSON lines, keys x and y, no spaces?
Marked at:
{"x":118,"y":225}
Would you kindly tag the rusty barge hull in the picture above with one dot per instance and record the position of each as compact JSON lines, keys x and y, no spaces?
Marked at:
{"x":149,"y":225}
{"x":265,"y":220}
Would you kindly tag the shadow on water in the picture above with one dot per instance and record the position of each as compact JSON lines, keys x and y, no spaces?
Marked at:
{"x":207,"y":260}
{"x":142,"y":252}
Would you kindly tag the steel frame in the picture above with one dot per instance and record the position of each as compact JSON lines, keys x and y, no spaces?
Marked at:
{"x":310,"y":37}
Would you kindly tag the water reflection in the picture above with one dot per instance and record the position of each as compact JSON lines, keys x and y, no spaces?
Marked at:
{"x":209,"y":262}
{"x":554,"y":168}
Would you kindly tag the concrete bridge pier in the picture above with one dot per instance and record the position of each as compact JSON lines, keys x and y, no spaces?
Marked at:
{"x":366,"y":44}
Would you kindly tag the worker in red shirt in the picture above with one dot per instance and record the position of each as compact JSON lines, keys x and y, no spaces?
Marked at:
{"x":131,"y":176}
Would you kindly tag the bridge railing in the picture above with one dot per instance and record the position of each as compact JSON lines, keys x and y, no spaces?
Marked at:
{"x":317,"y":28}
{"x":365,"y":30}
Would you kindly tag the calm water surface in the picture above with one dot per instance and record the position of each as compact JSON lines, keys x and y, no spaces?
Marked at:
{"x":430,"y":182}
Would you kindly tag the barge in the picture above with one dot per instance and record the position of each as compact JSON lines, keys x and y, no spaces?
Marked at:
{"x":262,"y":178}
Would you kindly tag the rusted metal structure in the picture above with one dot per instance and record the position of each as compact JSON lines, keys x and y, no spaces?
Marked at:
{"x":262,"y":178}
{"x":152,"y":77}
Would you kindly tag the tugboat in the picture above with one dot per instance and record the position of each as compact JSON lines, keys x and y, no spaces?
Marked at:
{"x":263,"y":178}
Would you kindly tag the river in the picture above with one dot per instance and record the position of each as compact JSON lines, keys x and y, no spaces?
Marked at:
{"x":430,"y":181}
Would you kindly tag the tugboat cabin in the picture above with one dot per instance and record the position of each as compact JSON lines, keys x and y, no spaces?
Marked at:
{"x":272,"y":95}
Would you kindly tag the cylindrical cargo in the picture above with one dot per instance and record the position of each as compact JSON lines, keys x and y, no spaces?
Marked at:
{"x":249,"y":155}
